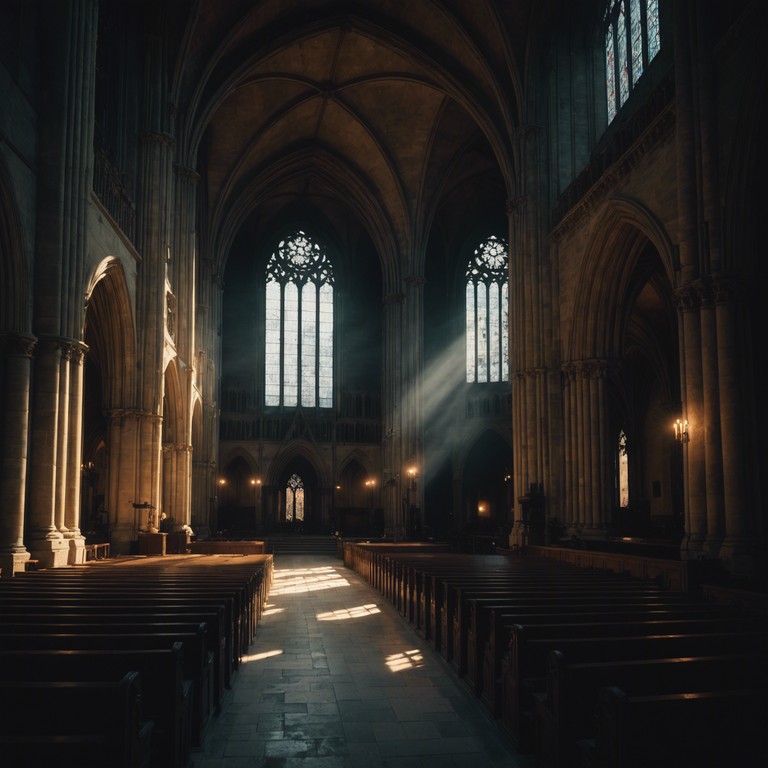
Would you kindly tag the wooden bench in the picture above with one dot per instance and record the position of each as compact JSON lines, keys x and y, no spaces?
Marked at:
{"x":502,"y":619}
{"x":108,"y":601}
{"x":567,"y":713}
{"x":194,"y":657}
{"x":471,"y":620}
{"x":525,"y":668}
{"x":166,"y":696}
{"x":84,"y":724}
{"x":708,"y":729}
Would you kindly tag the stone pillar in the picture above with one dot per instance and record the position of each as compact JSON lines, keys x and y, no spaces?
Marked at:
{"x":413,"y":432}
{"x":711,"y":433}
{"x":177,"y":474}
{"x":72,"y":501}
{"x":64,"y":172}
{"x":694,"y":466}
{"x":587,"y":450}
{"x":521,"y":468}
{"x":739,"y":551}
{"x":17,"y":352}
{"x":45,"y":542}
{"x":392,"y":406}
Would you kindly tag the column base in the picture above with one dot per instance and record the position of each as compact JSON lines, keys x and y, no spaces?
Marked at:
{"x":518,"y":536}
{"x":76,"y":550}
{"x":739,"y":557}
{"x":13,"y":562}
{"x":692,"y":547}
{"x":50,"y":553}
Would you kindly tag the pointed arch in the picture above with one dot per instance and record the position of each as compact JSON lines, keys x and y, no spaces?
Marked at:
{"x":110,"y":332}
{"x":612,"y":272}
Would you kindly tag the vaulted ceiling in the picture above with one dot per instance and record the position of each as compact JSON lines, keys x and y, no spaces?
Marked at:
{"x":374,"y":110}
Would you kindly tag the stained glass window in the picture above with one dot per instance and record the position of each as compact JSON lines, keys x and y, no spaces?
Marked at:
{"x":632,"y":40}
{"x":623,"y":474}
{"x":298,"y":353}
{"x":487,"y":313}
{"x":294,"y":499}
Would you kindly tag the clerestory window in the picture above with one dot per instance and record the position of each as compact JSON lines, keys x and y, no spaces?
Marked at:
{"x":487,"y":312}
{"x":298,"y":364}
{"x":632,"y":40}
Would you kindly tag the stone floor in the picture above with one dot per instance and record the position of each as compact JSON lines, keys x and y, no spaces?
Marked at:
{"x":336,"y":679}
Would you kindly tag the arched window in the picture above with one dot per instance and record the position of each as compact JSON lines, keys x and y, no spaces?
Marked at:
{"x":632,"y":40}
{"x":298,"y":356}
{"x":487,"y":292}
{"x":623,"y":473}
{"x":294,"y":499}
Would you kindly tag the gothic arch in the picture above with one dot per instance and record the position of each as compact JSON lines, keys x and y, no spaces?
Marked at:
{"x":109,"y":331}
{"x":298,"y":449}
{"x":15,"y":304}
{"x":609,"y":277}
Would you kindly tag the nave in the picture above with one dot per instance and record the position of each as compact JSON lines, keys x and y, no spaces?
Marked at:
{"x":336,"y":679}
{"x":390,"y":655}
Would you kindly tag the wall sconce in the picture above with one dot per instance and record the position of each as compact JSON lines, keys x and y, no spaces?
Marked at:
{"x":681,"y":430}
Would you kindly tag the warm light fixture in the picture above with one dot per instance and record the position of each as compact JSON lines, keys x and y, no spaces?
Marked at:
{"x":255,"y":481}
{"x":411,"y":472}
{"x":370,"y":482}
{"x":681,"y":430}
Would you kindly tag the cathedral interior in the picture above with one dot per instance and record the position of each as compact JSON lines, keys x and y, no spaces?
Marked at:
{"x":453,"y":270}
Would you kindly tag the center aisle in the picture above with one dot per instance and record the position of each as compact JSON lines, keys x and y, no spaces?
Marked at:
{"x":336,"y":679}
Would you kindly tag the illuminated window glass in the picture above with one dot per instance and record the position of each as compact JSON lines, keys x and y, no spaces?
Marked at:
{"x":298,"y":353}
{"x":487,"y":313}
{"x":632,"y":40}
{"x":294,"y":499}
{"x":623,"y":471}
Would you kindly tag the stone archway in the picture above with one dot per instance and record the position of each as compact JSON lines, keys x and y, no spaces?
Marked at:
{"x":109,"y":410}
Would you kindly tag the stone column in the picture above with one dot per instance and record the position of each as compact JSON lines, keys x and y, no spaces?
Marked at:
{"x":694,"y":466}
{"x":17,"y":352}
{"x":177,"y":473}
{"x":413,"y":433}
{"x":392,"y":407}
{"x":711,"y":433}
{"x":521,"y":469}
{"x":45,"y":542}
{"x":587,"y":452}
{"x":72,"y":519}
{"x":739,"y":551}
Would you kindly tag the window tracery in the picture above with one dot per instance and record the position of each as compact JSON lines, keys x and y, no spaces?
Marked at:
{"x":298,"y":365}
{"x":487,"y":313}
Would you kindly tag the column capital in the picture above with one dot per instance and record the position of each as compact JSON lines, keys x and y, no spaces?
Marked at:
{"x":187,"y":174}
{"x":18,"y":344}
{"x":687,"y":298}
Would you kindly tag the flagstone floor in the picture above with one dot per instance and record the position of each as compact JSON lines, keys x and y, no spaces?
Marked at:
{"x":336,"y":679}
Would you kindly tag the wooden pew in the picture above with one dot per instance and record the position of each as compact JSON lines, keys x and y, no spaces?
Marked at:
{"x":526,"y":666}
{"x":166,"y":696}
{"x":502,"y":618}
{"x":708,"y":729}
{"x":470,"y":607}
{"x":108,"y":601}
{"x":567,"y":713}
{"x":455,"y":605}
{"x":194,"y":657}
{"x":84,"y":724}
